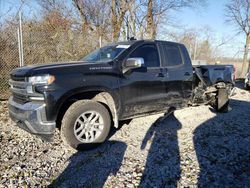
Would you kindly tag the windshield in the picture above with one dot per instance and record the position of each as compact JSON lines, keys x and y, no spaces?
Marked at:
{"x":107,"y":53}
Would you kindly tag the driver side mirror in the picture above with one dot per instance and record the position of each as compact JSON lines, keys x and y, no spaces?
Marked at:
{"x":132,"y":63}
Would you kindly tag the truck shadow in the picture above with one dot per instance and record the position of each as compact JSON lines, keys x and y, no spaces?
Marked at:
{"x":222,"y":146}
{"x":92,"y":168}
{"x":162,"y":167}
{"x":239,"y":83}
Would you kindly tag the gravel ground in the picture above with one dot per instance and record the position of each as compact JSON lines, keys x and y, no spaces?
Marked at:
{"x":193,"y":147}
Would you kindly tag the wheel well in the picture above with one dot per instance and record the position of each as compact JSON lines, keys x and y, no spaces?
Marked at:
{"x":102,"y":97}
{"x":108,"y":101}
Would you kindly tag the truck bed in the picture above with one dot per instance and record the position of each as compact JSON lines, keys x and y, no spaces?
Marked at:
{"x":212,"y":74}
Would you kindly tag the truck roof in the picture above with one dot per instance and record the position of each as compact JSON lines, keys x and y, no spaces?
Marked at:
{"x":131,"y":42}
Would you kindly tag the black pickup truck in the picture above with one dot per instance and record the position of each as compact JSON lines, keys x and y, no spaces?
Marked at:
{"x":117,"y":82}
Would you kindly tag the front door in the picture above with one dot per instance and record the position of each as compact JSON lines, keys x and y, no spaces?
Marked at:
{"x":142,"y":89}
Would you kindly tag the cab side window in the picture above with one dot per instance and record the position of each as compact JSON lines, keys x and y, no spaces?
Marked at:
{"x":149,"y":53}
{"x":172,"y":55}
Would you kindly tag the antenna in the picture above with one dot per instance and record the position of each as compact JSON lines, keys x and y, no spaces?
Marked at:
{"x":132,"y":38}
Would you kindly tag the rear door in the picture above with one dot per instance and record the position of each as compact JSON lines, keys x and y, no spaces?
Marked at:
{"x":178,"y":73}
{"x":142,"y":89}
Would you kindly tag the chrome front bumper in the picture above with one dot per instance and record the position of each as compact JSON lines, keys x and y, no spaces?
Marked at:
{"x":31,"y":117}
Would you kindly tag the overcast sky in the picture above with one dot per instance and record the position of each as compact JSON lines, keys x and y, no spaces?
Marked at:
{"x":211,"y":16}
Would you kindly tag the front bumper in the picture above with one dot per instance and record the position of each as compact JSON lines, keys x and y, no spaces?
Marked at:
{"x":31,"y":117}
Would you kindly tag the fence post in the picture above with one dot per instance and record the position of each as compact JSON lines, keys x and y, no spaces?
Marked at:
{"x":195,"y":48}
{"x":20,"y":40}
{"x":100,"y":41}
{"x":19,"y":47}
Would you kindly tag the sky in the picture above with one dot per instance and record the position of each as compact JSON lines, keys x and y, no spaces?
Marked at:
{"x":213,"y":16}
{"x":210,"y":16}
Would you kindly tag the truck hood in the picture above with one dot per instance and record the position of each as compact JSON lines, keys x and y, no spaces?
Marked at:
{"x":59,"y":68}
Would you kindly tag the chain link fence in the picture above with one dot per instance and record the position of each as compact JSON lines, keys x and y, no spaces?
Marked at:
{"x":9,"y":58}
{"x":42,"y":43}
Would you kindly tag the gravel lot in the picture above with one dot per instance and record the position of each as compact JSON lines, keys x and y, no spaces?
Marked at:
{"x":193,"y":147}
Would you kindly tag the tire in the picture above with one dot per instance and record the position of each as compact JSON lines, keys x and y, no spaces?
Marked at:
{"x":85,"y":125}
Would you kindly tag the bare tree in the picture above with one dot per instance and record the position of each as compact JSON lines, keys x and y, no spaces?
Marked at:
{"x":96,"y":13}
{"x":238,"y":13}
{"x":151,"y":27}
{"x":119,"y":9}
{"x":150,"y":13}
{"x":198,"y":42}
{"x":81,"y":7}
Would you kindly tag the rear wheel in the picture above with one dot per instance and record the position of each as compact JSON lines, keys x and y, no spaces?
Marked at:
{"x":85,"y":125}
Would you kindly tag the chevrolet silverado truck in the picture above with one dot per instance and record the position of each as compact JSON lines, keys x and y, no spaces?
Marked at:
{"x":120,"y":81}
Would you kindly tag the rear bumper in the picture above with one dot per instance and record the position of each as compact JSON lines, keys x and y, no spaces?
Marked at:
{"x":31,"y":117}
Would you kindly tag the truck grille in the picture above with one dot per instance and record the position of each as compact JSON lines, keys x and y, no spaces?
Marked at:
{"x":21,"y":99}
{"x":18,"y":78}
{"x":18,"y":89}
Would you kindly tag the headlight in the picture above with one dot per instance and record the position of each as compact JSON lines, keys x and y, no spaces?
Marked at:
{"x":42,"y":79}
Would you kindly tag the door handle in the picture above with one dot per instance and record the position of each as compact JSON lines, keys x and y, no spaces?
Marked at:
{"x":160,"y":75}
{"x":187,"y":74}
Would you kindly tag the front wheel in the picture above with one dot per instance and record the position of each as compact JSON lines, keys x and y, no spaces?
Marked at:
{"x":85,"y":125}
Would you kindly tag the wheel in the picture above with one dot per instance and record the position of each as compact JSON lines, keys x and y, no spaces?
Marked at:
{"x":85,"y":125}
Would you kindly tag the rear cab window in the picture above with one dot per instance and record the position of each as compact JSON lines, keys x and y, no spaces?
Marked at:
{"x":171,"y":54}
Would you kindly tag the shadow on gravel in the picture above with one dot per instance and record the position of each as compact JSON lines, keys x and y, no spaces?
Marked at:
{"x":239,"y":83}
{"x":222,"y":146}
{"x":163,"y":161}
{"x":91,"y":168}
